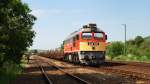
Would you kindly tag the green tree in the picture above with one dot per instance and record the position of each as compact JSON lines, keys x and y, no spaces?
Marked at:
{"x":139,"y":40}
{"x":131,"y":42}
{"x":145,"y":48}
{"x":115,"y":49}
{"x":135,"y":46}
{"x":16,"y":32}
{"x":35,"y":51}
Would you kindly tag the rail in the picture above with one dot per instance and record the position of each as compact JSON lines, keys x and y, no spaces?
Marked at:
{"x":47,"y":80}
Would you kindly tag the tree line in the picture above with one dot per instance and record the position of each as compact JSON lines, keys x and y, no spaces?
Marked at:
{"x":137,"y":49}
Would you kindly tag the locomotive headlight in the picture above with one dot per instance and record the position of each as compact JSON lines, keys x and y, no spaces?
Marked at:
{"x":93,"y":48}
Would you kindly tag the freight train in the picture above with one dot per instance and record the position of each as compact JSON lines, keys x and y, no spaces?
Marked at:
{"x":86,"y":46}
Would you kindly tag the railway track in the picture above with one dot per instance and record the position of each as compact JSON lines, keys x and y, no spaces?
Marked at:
{"x":133,"y":74}
{"x":45,"y":76}
{"x":125,"y":69}
{"x":139,"y":64}
{"x":71,"y":76}
{"x":113,"y":67}
{"x":129,"y":70}
{"x":140,"y":70}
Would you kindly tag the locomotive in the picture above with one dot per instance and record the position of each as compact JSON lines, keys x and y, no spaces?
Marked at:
{"x":86,"y":46}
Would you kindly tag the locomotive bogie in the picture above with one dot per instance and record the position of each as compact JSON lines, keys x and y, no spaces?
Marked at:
{"x":86,"y":57}
{"x":92,"y":58}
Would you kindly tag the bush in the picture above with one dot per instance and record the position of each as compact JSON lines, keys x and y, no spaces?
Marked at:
{"x":115,"y":49}
{"x":138,"y":49}
{"x":8,"y":72}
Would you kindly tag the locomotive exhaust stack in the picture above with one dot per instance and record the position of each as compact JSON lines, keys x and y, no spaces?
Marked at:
{"x":90,"y":27}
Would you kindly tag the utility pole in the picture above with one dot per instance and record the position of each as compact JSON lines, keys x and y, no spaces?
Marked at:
{"x":125,"y":43}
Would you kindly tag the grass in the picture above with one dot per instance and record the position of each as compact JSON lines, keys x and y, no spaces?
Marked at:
{"x":133,"y":58}
{"x":10,"y":70}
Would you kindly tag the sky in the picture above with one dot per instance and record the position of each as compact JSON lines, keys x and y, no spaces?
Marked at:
{"x":56,"y":19}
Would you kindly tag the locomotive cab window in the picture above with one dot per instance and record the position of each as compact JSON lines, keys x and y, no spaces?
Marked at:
{"x":77,"y":37}
{"x":86,"y":35}
{"x":98,"y":35}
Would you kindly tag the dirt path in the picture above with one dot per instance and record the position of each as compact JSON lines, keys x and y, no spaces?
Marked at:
{"x":31,"y":74}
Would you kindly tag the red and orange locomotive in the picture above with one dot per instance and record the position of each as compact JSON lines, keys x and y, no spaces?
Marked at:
{"x":86,"y":46}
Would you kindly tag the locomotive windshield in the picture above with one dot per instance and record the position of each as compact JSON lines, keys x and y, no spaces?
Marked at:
{"x":86,"y":35}
{"x":98,"y":35}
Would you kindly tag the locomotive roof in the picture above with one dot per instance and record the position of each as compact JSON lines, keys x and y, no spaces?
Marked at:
{"x":86,"y":28}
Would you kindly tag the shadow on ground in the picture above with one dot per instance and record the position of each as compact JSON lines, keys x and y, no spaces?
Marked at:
{"x":32,"y":75}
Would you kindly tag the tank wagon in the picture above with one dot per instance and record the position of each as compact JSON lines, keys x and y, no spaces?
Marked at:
{"x":86,"y":46}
